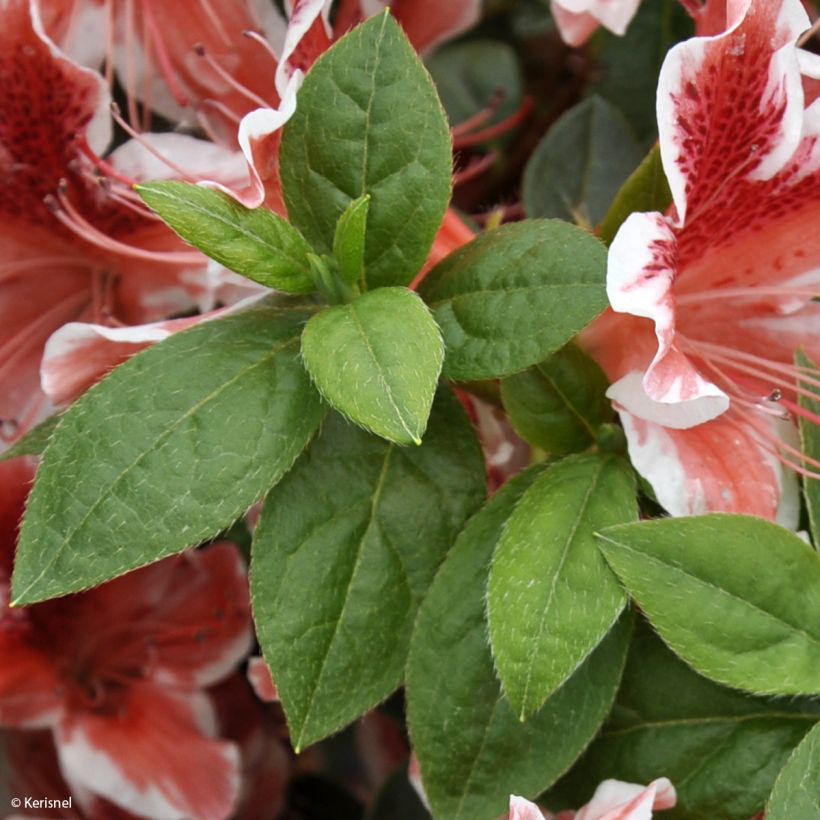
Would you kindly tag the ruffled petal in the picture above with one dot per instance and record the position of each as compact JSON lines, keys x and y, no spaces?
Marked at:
{"x":719,"y":466}
{"x":30,"y":687}
{"x":521,"y":809}
{"x":615,"y":800}
{"x":578,"y":19}
{"x":153,"y":756}
{"x":261,"y":680}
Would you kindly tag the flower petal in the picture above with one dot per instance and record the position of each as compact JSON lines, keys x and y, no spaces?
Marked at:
{"x":615,"y":800}
{"x":718,"y":466}
{"x":151,"y":756}
{"x":261,"y":680}
{"x":521,"y":809}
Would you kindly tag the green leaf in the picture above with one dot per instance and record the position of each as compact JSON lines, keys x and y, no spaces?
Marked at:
{"x":346,"y":548}
{"x":469,"y":75}
{"x":722,"y":749}
{"x":645,"y":191}
{"x":348,"y":243}
{"x":369,"y":122}
{"x":514,"y":295}
{"x":810,"y":440}
{"x":581,"y":164}
{"x":796,"y":794}
{"x":167,"y":451}
{"x":557,"y":405}
{"x":627,"y":67}
{"x":256,"y":243}
{"x":473,"y":750}
{"x":34,"y":442}
{"x":551,"y":598}
{"x":377,"y":361}
{"x":736,"y":597}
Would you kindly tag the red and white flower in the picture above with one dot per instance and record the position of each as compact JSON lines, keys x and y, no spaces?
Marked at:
{"x":577,"y":20}
{"x":119,"y":673}
{"x":711,"y":300}
{"x":613,"y":800}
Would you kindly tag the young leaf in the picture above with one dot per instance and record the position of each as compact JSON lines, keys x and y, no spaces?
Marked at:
{"x":377,"y":361}
{"x":515,"y":295}
{"x":348,"y":243}
{"x":810,"y":439}
{"x":796,"y":793}
{"x":256,"y":243}
{"x":721,"y":748}
{"x":558,"y":404}
{"x":167,"y":451}
{"x":551,"y":597}
{"x":736,"y":597}
{"x":472,"y":748}
{"x":580,"y":165}
{"x":646,"y":190}
{"x":347,"y":546}
{"x":34,"y":442}
{"x":369,"y":122}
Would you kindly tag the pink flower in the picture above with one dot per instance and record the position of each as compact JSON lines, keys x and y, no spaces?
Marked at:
{"x":578,"y":19}
{"x":118,"y":674}
{"x":727,"y":277}
{"x":613,"y":800}
{"x":76,"y":242}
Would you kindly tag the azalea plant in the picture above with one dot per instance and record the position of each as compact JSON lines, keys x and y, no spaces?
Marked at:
{"x":410,"y":409}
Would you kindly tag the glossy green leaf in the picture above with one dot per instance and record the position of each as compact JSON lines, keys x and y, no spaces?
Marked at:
{"x":551,"y":597}
{"x":377,"y":361}
{"x":346,"y":548}
{"x":736,"y":597}
{"x":627,"y":67}
{"x":369,"y":122}
{"x":514,"y":295}
{"x":645,"y":191}
{"x":796,"y":793}
{"x":167,"y":451}
{"x":255,"y":243}
{"x":34,"y":442}
{"x":581,"y":164}
{"x":348,"y":242}
{"x":721,"y":749}
{"x":472,"y":748}
{"x":557,"y":405}
{"x":810,"y":440}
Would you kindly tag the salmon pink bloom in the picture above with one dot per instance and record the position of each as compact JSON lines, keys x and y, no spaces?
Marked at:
{"x":613,"y":800}
{"x":728,"y":277}
{"x":118,"y":674}
{"x":76,"y":243}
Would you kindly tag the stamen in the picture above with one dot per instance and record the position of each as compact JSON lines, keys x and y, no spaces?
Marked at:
{"x":752,"y":292}
{"x":482,"y":117}
{"x":200,"y":51}
{"x":692,"y":8}
{"x":498,"y":130}
{"x":216,"y":22}
{"x":258,"y":38}
{"x":130,"y":62}
{"x":109,"y":42}
{"x":475,"y":169}
{"x":165,"y":66}
{"x":106,"y":167}
{"x":800,"y":411}
{"x":115,"y":113}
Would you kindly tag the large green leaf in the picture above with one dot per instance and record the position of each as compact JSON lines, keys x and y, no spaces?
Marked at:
{"x":581,"y":164}
{"x":255,"y":243}
{"x":735,"y":596}
{"x":34,"y":442}
{"x":558,"y":404}
{"x":810,"y":439}
{"x":377,"y":361}
{"x":551,"y":597}
{"x":369,"y":122}
{"x":472,"y":748}
{"x":167,"y":451}
{"x":347,"y":545}
{"x":796,"y":794}
{"x":514,"y":295}
{"x":722,"y":749}
{"x":646,"y":190}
